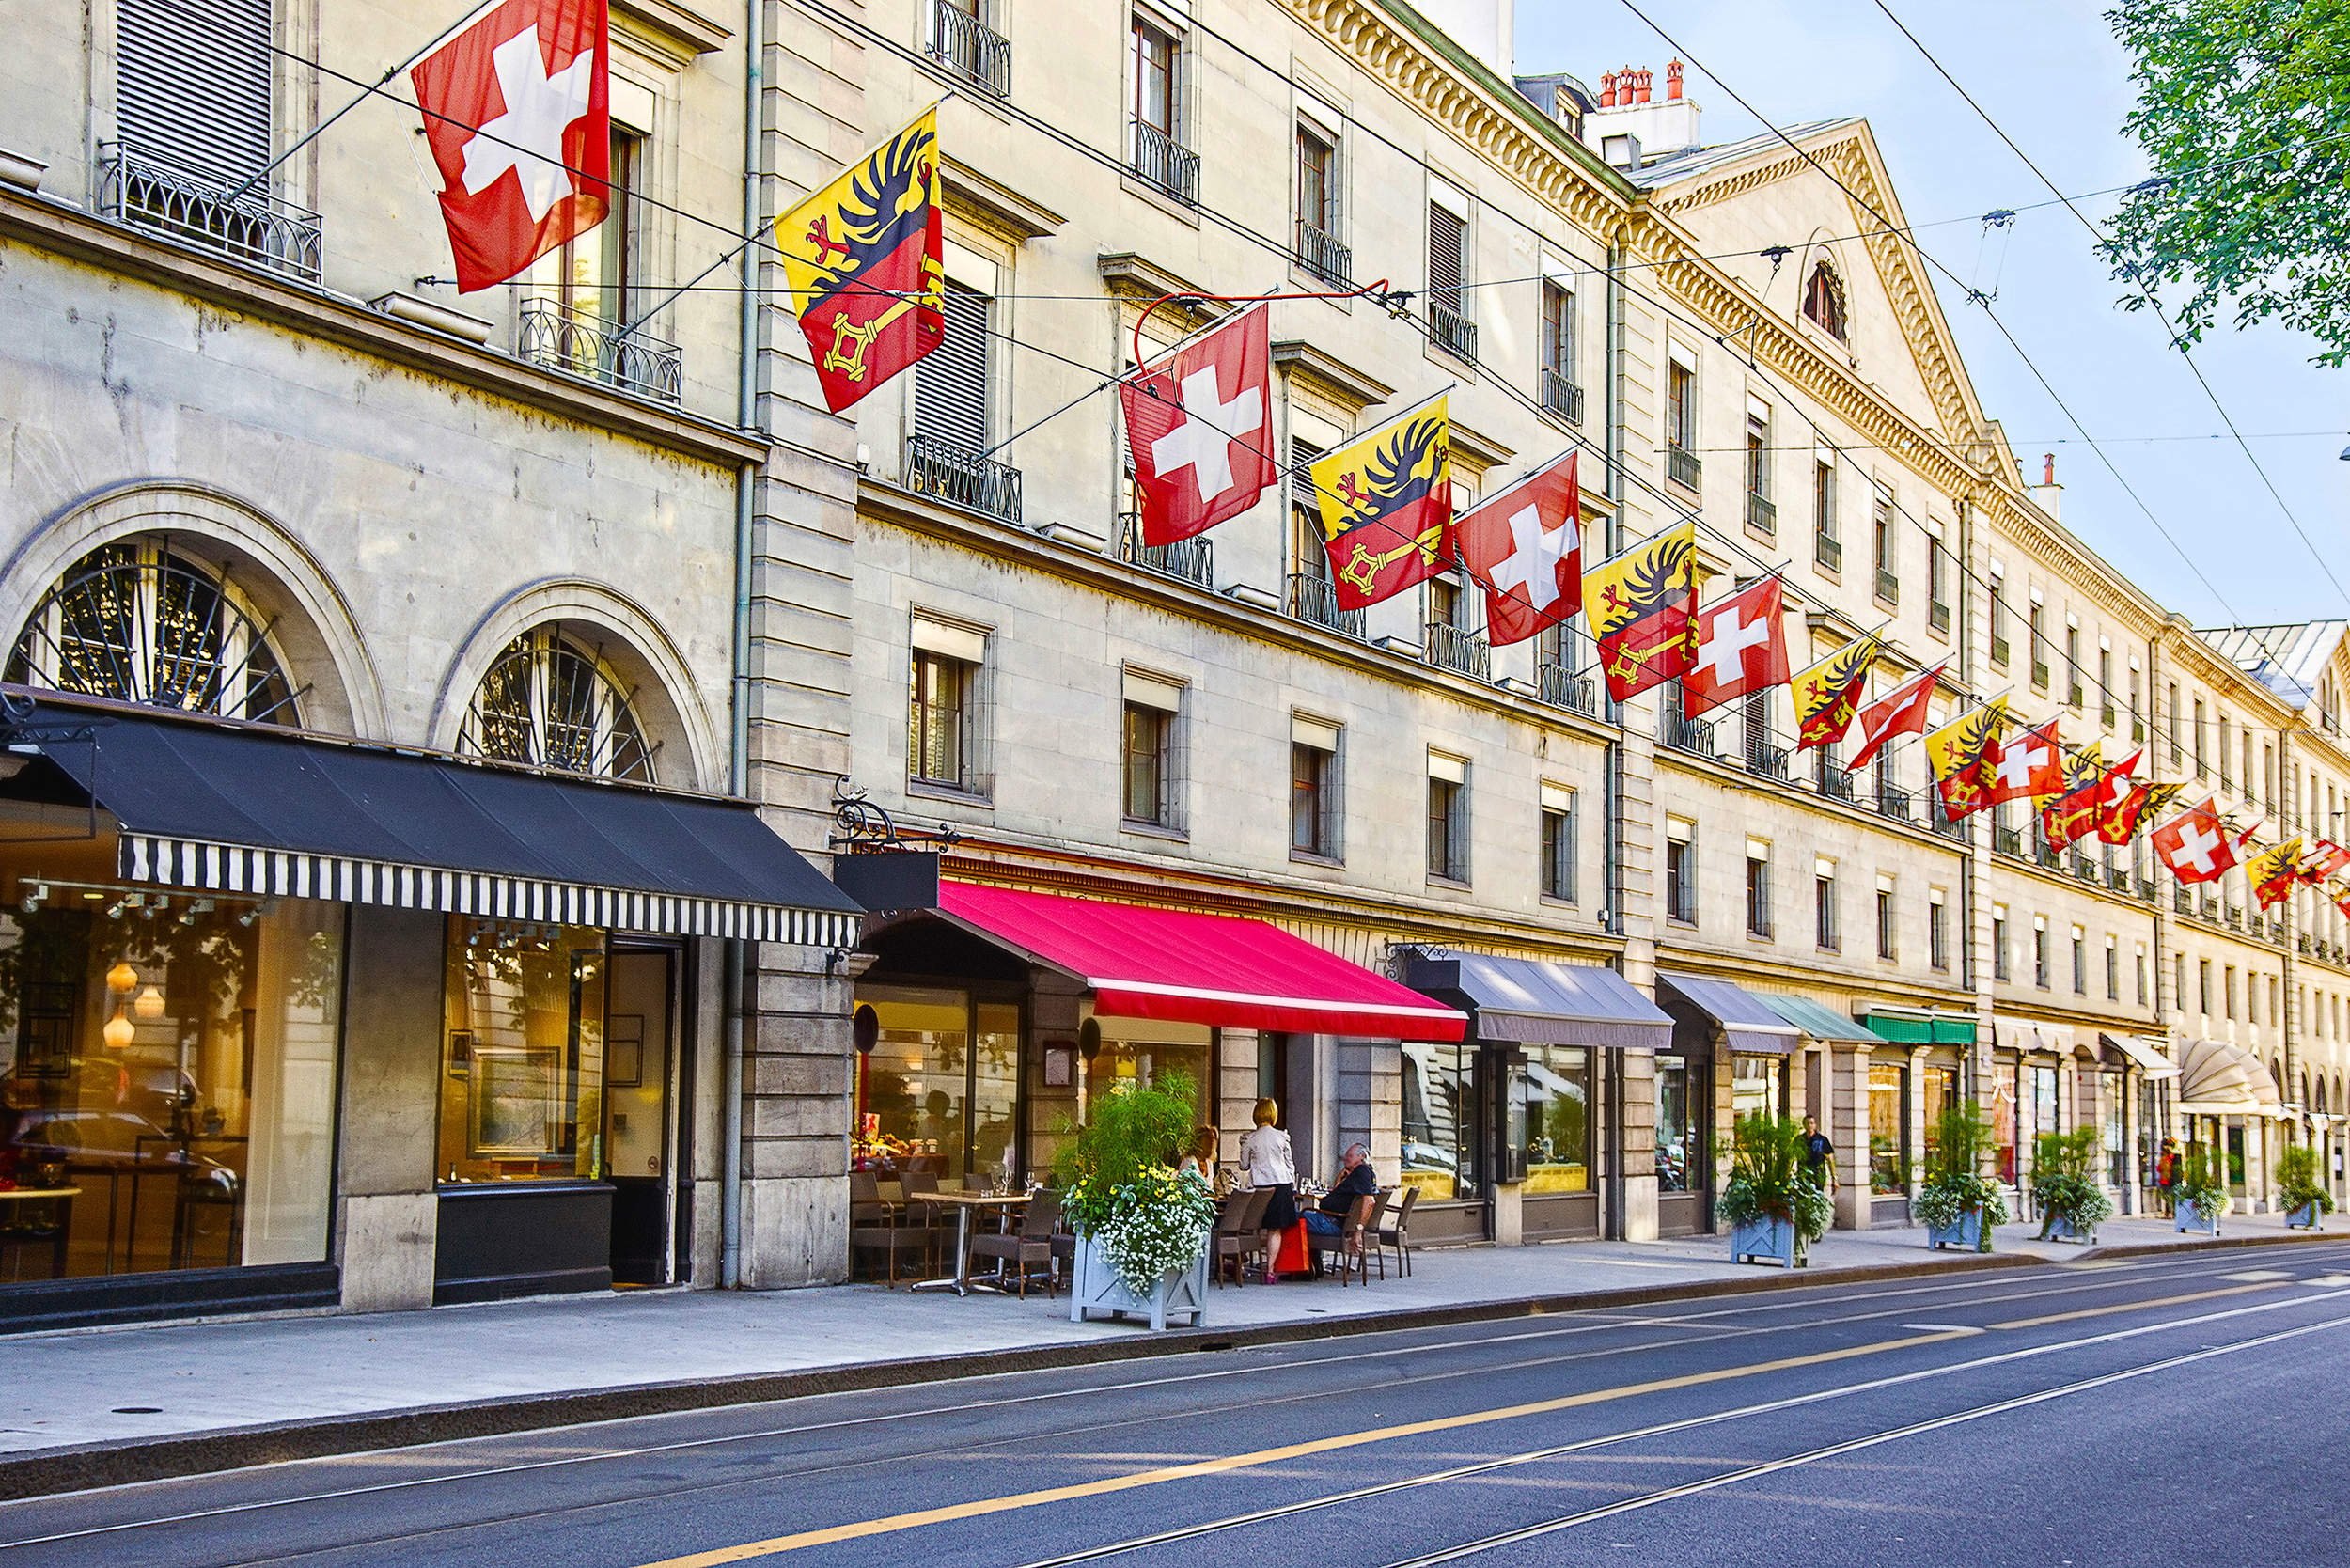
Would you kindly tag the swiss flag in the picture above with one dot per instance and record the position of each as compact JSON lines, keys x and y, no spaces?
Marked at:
{"x":1525,"y":546}
{"x":2031,"y":764}
{"x":1742,"y":648}
{"x":1199,"y":424}
{"x":2195,"y":845}
{"x":1899,"y":712}
{"x":515,"y":109}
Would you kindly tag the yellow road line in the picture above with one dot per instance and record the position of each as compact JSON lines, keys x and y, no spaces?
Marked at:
{"x":981,"y":1507}
{"x":2136,"y":1306}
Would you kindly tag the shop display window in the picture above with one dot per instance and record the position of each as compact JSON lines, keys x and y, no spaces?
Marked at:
{"x":2003,"y":1120}
{"x":1758,"y":1086}
{"x":1441,"y":1121}
{"x":1888,"y":1129}
{"x":1557,"y":1099}
{"x":1678,"y":1154}
{"x":167,"y":1074}
{"x":1938,"y":1092}
{"x":523,"y":1052}
{"x":939,"y":1093}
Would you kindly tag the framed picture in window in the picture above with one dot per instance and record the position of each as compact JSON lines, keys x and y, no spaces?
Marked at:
{"x":459,"y":1053}
{"x":516,"y":1103}
{"x":623,"y":1050}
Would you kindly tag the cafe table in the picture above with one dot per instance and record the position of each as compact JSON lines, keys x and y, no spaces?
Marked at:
{"x":966,"y":1204}
{"x":63,"y":1198}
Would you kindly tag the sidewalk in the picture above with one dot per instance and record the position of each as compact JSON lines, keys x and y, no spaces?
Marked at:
{"x":127,"y":1387}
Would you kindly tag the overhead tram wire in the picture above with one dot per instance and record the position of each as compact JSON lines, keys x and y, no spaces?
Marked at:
{"x":2323,"y":565}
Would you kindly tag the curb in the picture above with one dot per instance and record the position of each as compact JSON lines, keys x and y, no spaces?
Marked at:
{"x":86,"y":1467}
{"x":2213,"y":1244}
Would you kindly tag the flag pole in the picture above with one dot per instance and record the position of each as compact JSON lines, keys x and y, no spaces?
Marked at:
{"x":365,"y":93}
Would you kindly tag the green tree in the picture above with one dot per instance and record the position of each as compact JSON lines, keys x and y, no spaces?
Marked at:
{"x":2244,"y":110}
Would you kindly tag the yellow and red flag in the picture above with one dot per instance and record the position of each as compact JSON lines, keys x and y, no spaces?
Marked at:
{"x":2113,"y":788}
{"x":1387,"y":508}
{"x":2342,"y":903}
{"x":1639,"y":607}
{"x":1829,"y":692}
{"x":2323,"y":861}
{"x":1957,"y":752}
{"x":2272,"y":870}
{"x":2071,"y":816}
{"x":866,"y":260}
{"x":2139,"y":807}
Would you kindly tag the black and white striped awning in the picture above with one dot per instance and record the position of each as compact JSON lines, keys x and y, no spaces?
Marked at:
{"x":215,"y":808}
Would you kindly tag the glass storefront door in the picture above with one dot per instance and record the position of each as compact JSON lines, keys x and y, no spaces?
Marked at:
{"x":1683,"y":1166}
{"x":1888,"y":1129}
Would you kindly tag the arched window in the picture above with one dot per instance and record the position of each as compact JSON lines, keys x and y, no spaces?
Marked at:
{"x":550,"y":702}
{"x":139,"y":621}
{"x":1824,"y":300}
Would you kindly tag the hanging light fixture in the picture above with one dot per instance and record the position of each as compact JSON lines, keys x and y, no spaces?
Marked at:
{"x":122,"y":979}
{"x":149,"y":1006}
{"x":118,"y":1032}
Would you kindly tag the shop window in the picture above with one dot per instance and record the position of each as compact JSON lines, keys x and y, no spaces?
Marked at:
{"x":1557,"y":1089}
{"x":1442,"y":1149}
{"x":1679,"y":1153}
{"x":522,"y":1057}
{"x":1938,"y":1092}
{"x":167,"y":1067}
{"x":1758,"y":1086}
{"x":1889,"y":1128}
{"x":2003,"y":1117}
{"x":550,"y":701}
{"x":939,"y":1090}
{"x":137,"y":621}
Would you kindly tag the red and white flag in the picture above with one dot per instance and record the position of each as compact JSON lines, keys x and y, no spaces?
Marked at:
{"x":1899,"y":712}
{"x":1199,"y":424}
{"x":1742,"y":647}
{"x":2195,"y":845}
{"x":2114,"y":789}
{"x":2031,"y":764}
{"x":515,"y":110}
{"x":2322,"y":860}
{"x":1525,"y":547}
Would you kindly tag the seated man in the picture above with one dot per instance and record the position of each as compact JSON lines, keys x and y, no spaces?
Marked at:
{"x":1356,"y":1180}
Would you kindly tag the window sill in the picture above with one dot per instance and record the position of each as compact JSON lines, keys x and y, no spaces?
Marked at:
{"x":1833,"y":573}
{"x":1153,"y":830}
{"x":1315,"y":857}
{"x":1135,"y":185}
{"x":1832,"y":951}
{"x":1557,"y":900}
{"x":929,"y":789}
{"x":1679,"y":924}
{"x":1466,"y":368}
{"x":1454,"y":883}
{"x":1760,"y":937}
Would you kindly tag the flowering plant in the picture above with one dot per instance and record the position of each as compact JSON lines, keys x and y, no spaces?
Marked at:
{"x":1158,"y":1224}
{"x":1954,"y":1183}
{"x":1119,"y":1187}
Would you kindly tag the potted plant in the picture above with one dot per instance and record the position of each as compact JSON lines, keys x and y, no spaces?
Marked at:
{"x":1773,"y":1209}
{"x":2071,"y":1204}
{"x":1958,"y":1204}
{"x":2306,"y":1203}
{"x":1142,"y":1228}
{"x":2201,"y":1189}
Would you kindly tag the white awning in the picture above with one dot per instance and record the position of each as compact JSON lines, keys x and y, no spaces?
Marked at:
{"x":2147,"y":1053}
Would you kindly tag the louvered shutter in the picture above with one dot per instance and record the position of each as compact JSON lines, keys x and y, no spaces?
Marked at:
{"x":950,"y":386}
{"x":192,"y":83}
{"x":1444,"y":257}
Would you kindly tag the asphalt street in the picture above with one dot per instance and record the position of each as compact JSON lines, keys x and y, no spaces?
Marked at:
{"x":2172,"y":1410}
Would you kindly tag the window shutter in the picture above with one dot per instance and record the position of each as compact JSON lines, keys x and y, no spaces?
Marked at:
{"x":950,"y":386}
{"x":192,"y":83}
{"x":1444,"y":257}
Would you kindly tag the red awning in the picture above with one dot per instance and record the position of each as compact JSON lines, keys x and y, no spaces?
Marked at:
{"x":1197,"y":968}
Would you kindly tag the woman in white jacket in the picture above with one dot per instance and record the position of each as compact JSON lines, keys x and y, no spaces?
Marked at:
{"x":1265,"y":1161}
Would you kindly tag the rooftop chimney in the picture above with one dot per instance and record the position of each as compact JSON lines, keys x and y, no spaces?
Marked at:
{"x":2048,"y":491}
{"x":1628,"y":111}
{"x":1672,"y":81}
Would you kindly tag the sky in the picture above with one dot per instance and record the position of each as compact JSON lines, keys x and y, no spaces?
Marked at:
{"x":2053,"y":75}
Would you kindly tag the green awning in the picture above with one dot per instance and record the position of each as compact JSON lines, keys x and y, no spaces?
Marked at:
{"x":1922,"y":1026}
{"x":1816,"y":1022}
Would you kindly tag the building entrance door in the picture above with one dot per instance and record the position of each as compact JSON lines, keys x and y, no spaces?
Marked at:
{"x":1684,"y":1165}
{"x":638,"y":1111}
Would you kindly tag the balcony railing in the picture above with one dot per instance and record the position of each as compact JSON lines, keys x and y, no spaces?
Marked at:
{"x":256,"y":229}
{"x":1828,"y":551}
{"x":1166,"y":162}
{"x":1762,"y":513}
{"x":1893,"y":801}
{"x":1562,"y":398}
{"x":2008,"y":841}
{"x":1682,"y":467}
{"x":2084,"y":869}
{"x":1315,"y":601}
{"x":1451,"y":647}
{"x":2236,"y":917}
{"x":2117,"y":878}
{"x":1960,"y":828}
{"x":2040,"y":674}
{"x":957,"y":474}
{"x":2106,"y":714}
{"x":1192,"y":559}
{"x":1766,"y":761}
{"x":967,"y":46}
{"x":1835,"y":784}
{"x":2146,"y":889}
{"x":562,"y":337}
{"x":1324,"y":257}
{"x":1888,"y":586}
{"x":2182,"y":901}
{"x":1452,"y":332}
{"x":1563,"y":688}
{"x":1694,"y":736}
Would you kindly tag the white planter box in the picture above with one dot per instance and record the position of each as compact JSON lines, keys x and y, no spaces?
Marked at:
{"x":1181,"y":1293}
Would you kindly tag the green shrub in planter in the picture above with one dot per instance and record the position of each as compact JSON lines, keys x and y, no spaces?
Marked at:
{"x":2063,"y":1186}
{"x":1957,"y":1202}
{"x":2296,"y":1183}
{"x":1119,"y":1187}
{"x":2201,"y":1192}
{"x":1769,"y":1184}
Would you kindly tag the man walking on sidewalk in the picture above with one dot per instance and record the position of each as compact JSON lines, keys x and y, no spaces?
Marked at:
{"x":1819,"y":1156}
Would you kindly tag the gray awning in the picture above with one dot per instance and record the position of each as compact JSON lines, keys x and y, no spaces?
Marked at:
{"x":1748,"y":1021}
{"x":1538,"y":1002}
{"x":2147,"y":1053}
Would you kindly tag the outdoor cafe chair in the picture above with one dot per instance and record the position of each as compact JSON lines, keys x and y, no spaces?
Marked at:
{"x":1397,"y":1233}
{"x":1239,"y":1232}
{"x":870,"y":1228}
{"x":1031,"y":1244}
{"x":1347,"y":1246}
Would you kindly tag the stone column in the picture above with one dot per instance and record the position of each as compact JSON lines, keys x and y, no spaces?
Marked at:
{"x":387,"y":1208}
{"x":795,"y":1120}
{"x":1638,"y":1219}
{"x":1847,"y":1127}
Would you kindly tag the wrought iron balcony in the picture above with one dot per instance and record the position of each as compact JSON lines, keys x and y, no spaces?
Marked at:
{"x":2236,"y":917}
{"x":1315,"y":601}
{"x":1888,"y":586}
{"x":970,"y":48}
{"x":2044,"y":853}
{"x":2008,"y":841}
{"x":1762,"y":513}
{"x":1960,"y":828}
{"x":2040,"y":674}
{"x":256,"y":229}
{"x":2182,"y":901}
{"x":955,"y":473}
{"x":1835,"y":784}
{"x":1191,"y":559}
{"x":1893,"y":801}
{"x":1166,"y":162}
{"x":1828,"y":551}
{"x":2305,"y":943}
{"x":1324,"y":257}
{"x":2146,"y":889}
{"x":1683,"y":467}
{"x":1766,"y":761}
{"x":2117,"y":878}
{"x":1562,"y":398}
{"x":1563,"y":688}
{"x":1452,"y":332}
{"x":1451,"y":647}
{"x":2084,"y":869}
{"x":2106,"y":714}
{"x":551,"y":334}
{"x":1694,"y":736}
